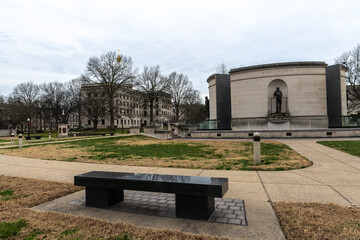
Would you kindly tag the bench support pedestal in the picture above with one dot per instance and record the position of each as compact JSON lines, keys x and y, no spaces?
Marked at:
{"x":103,"y":197}
{"x":194,"y":207}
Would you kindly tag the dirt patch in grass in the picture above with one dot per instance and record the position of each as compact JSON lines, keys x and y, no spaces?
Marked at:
{"x":140,"y":141}
{"x":318,"y":221}
{"x":144,"y":151}
{"x":50,"y":225}
{"x":50,"y":152}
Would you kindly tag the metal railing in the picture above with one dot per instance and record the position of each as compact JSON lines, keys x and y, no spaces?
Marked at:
{"x":272,"y":105}
{"x":214,"y":125}
{"x":351,"y":121}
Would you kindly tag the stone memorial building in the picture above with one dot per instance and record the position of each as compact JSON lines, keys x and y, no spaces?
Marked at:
{"x":279,"y":96}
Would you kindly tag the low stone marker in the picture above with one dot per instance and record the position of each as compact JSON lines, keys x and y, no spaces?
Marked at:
{"x":12,"y":138}
{"x":20,"y":141}
{"x":257,"y":159}
{"x":49,"y":135}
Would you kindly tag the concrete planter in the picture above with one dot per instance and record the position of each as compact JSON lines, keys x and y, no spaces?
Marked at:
{"x":134,"y":130}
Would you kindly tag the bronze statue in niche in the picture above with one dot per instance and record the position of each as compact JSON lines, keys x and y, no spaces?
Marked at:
{"x":278,"y":96}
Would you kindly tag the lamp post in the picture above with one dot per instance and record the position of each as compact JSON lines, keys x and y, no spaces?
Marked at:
{"x":28,"y":123}
{"x":122,"y":124}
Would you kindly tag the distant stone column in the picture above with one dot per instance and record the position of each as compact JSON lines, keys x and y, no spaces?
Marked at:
{"x":20,"y":141}
{"x":257,"y":159}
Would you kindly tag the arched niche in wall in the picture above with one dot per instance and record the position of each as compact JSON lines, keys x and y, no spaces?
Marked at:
{"x":278,"y":83}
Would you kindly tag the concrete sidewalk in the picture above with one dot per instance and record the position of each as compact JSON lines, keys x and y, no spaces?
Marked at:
{"x":334,"y":178}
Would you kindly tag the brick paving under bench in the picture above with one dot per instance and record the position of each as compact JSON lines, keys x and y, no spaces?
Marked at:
{"x":229,"y":211}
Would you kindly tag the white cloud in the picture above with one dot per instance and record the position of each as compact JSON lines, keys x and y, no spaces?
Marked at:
{"x":52,"y":40}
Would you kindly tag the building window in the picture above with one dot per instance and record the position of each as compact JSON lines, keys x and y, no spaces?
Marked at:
{"x":103,"y":122}
{"x":157,"y":113}
{"x":89,"y":122}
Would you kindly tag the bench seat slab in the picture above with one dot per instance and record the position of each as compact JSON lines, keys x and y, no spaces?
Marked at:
{"x":194,"y":207}
{"x":103,"y":197}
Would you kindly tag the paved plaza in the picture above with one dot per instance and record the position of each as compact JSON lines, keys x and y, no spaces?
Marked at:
{"x":333,"y":178}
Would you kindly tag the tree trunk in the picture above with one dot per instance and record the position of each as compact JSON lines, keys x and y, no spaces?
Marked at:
{"x":79,"y":118}
{"x":79,"y":109}
{"x":112,"y":117}
{"x":151,"y":111}
{"x":177,"y":110}
{"x":95,"y":124}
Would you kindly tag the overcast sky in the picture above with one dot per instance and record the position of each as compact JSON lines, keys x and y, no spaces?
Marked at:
{"x":44,"y":41}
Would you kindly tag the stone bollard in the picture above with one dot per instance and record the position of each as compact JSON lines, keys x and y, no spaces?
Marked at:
{"x":12,"y":138}
{"x":74,"y":135}
{"x":257,"y":159}
{"x":49,"y":135}
{"x":20,"y":141}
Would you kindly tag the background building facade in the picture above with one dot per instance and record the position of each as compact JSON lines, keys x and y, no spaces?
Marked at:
{"x":131,"y":109}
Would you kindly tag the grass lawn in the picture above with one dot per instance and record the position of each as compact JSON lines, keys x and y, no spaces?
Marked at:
{"x":145,"y":151}
{"x":18,"y":221}
{"x":318,"y":221}
{"x":351,"y":147}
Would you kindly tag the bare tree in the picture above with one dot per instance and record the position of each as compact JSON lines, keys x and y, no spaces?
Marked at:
{"x":15,"y":114}
{"x":153,"y":85}
{"x":27,"y":94}
{"x":222,"y":69}
{"x":3,"y":115}
{"x":111,"y":76}
{"x":52,"y":95}
{"x":180,"y":88}
{"x":351,"y":59}
{"x":94,"y":109}
{"x":59,"y":101}
{"x":195,"y":110}
{"x":74,"y":88}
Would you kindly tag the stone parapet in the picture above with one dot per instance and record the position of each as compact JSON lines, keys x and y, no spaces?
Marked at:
{"x":248,"y":134}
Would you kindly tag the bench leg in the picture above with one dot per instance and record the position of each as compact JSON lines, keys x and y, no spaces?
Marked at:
{"x":194,"y":207}
{"x":102,"y":197}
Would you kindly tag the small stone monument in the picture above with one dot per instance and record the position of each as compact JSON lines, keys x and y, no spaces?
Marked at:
{"x":63,"y":130}
{"x":12,"y":138}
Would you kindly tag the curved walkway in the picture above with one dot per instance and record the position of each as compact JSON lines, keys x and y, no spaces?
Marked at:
{"x":333,"y":178}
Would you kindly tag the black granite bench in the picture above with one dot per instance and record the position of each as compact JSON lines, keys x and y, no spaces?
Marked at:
{"x":194,"y":196}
